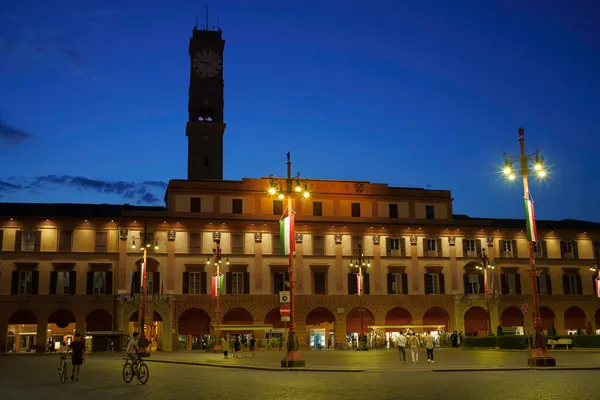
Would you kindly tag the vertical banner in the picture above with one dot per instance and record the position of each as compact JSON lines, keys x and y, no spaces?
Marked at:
{"x":287,"y":243}
{"x":530,"y":219}
{"x":217,"y":284}
{"x":359,"y":284}
{"x":143,"y":276}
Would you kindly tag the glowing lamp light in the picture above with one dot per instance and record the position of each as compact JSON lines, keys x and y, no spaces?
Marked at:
{"x":512,"y":176}
{"x":133,"y":245}
{"x":148,"y":245}
{"x":306,"y":195}
{"x":298,"y":188}
{"x":542,"y":173}
{"x":272,"y":190}
{"x":156,"y":247}
{"x":281,"y":196}
{"x":507,"y":170}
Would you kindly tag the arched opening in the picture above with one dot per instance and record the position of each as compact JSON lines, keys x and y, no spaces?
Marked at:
{"x":274,"y":337}
{"x":476,"y":322}
{"x":575,"y":320}
{"x":22,"y":332}
{"x":153,"y":328}
{"x":437,"y":316}
{"x":240,"y":317}
{"x":99,"y":335}
{"x":194,"y":329}
{"x":61,"y":328}
{"x":357,"y":323}
{"x":512,"y":317}
{"x":473,"y":279}
{"x":547,"y":316}
{"x":396,"y":320}
{"x":320,"y":323}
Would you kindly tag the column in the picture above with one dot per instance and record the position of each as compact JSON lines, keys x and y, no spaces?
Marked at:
{"x":171,"y":267}
{"x":258,"y":265}
{"x":339,"y":266}
{"x":414,"y":262}
{"x":40,"y":338}
{"x":166,"y":338}
{"x":299,"y":266}
{"x":377,"y":264}
{"x":453,"y":267}
{"x":122,"y":268}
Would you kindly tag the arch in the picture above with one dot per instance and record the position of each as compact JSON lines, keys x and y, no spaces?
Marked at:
{"x":22,"y":317}
{"x":358,"y":320}
{"x":62,"y":318}
{"x":238,"y":316}
{"x":575,"y":318}
{"x":471,"y":267}
{"x":397,"y":316}
{"x":476,"y":320}
{"x":194,"y":321}
{"x":155,"y":317}
{"x":512,"y":316}
{"x":437,"y":316}
{"x":273,"y":317}
{"x":151,"y":264}
{"x":547,"y":316}
{"x":98,"y":320}
{"x":319,"y":316}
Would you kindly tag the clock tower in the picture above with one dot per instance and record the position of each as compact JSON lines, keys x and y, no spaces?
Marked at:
{"x":205,"y":127}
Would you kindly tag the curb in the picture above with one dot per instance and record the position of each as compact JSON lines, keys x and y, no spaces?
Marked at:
{"x":249,"y":367}
{"x":517,"y":369}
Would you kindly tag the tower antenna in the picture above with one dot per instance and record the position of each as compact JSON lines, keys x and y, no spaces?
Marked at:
{"x":207,"y":18}
{"x":201,"y":17}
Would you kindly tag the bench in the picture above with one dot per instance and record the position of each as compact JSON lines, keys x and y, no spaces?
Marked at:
{"x":560,"y":342}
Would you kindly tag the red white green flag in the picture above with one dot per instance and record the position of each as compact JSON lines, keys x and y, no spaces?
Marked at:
{"x":359,"y":283}
{"x":286,"y":235}
{"x":217,"y":284}
{"x":530,"y":218}
{"x":143,"y":277}
{"x":597,"y":282}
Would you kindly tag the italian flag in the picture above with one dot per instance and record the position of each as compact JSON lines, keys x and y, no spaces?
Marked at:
{"x":530,"y":217}
{"x":286,"y":235}
{"x":142,"y":276}
{"x":597,"y":287}
{"x":359,"y":283}
{"x":217,"y":284}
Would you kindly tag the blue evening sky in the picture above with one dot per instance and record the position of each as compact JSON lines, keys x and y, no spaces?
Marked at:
{"x":93,"y":97}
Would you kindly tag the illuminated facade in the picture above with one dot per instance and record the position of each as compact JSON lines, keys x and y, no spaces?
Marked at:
{"x":67,"y":268}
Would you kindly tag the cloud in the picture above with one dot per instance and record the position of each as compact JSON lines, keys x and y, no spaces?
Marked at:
{"x":12,"y":135}
{"x":147,"y":192}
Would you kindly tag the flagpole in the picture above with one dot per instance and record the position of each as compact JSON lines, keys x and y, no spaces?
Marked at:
{"x":539,"y":355}
{"x":217,"y":285}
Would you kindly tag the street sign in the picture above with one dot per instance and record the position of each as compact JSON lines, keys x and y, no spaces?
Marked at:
{"x":285,"y":310}
{"x":524,"y":309}
{"x":284,"y":296}
{"x":285,"y":319}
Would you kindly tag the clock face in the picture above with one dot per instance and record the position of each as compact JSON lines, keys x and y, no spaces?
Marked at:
{"x":207,"y":63}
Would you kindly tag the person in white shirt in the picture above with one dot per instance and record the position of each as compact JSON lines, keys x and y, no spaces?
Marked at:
{"x":415,"y":345}
{"x":402,"y":347}
{"x":429,"y":345}
{"x":132,"y":347}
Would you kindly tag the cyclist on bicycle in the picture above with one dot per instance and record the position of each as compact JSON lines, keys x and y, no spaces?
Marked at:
{"x":132,"y":348}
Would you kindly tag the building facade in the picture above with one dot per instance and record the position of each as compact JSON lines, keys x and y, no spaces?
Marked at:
{"x":73,"y":267}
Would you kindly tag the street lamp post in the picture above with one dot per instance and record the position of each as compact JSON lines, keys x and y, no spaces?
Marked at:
{"x":361,"y":262}
{"x":217,"y":283}
{"x":539,"y":356}
{"x":486,"y":265}
{"x":144,"y":246}
{"x":287,"y":188}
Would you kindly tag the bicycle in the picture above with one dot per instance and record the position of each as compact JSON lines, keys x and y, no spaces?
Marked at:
{"x":136,"y":368}
{"x":62,"y":370}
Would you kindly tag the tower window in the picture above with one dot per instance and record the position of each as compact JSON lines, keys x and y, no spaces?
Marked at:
{"x":236,"y":206}
{"x":277,"y":207}
{"x":206,"y":162}
{"x":195,"y":204}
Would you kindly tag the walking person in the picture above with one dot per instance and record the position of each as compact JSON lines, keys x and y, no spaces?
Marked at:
{"x":402,"y":341}
{"x":236,"y":347}
{"x":78,"y":348}
{"x":415,"y":345}
{"x":429,"y":345}
{"x":252,"y":344}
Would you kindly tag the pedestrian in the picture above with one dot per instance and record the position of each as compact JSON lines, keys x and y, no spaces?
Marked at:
{"x":429,"y":345}
{"x":236,"y":347}
{"x":454,"y":339}
{"x":402,"y":347}
{"x":252,"y":344}
{"x":415,"y":346}
{"x":78,"y":348}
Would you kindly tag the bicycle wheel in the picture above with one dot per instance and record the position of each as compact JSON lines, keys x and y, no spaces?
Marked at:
{"x":127,"y":372}
{"x":143,"y":373}
{"x":63,"y":373}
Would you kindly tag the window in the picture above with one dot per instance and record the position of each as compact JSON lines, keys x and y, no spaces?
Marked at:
{"x":237,"y":283}
{"x":64,"y":241}
{"x":506,"y":248}
{"x":195,"y":243}
{"x":62,"y":282}
{"x":542,"y":283}
{"x":195,"y":204}
{"x":320,"y":282}
{"x":434,"y":283}
{"x":237,"y":243}
{"x":276,"y":245}
{"x":429,"y":212}
{"x":277,"y":207}
{"x":149,"y":282}
{"x":393,"y":210}
{"x":572,"y":284}
{"x":236,"y":206}
{"x":279,"y":280}
{"x":29,"y":241}
{"x":470,"y":248}
{"x":569,"y":250}
{"x":317,"y":209}
{"x":538,"y":249}
{"x":357,"y":246}
{"x":397,"y":283}
{"x":395,"y":247}
{"x":25,"y":282}
{"x":99,"y":286}
{"x":473,"y":286}
{"x":356,"y":210}
{"x":511,"y":284}
{"x":101,"y":242}
{"x":430,"y":247}
{"x":195,"y":283}
{"x":318,"y":245}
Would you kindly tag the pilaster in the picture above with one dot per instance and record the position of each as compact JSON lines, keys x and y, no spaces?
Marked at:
{"x":377,"y":264}
{"x":414,"y":262}
{"x":258,"y":265}
{"x":171,"y":267}
{"x":453,"y":264}
{"x":122,"y":271}
{"x":339,"y":265}
{"x":299,"y":265}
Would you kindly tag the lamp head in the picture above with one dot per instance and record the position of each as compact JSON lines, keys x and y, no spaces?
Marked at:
{"x":133,"y":244}
{"x":507,"y":170}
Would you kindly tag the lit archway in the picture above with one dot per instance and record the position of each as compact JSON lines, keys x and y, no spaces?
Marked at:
{"x":21,"y":333}
{"x":320,"y":323}
{"x":194,"y":321}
